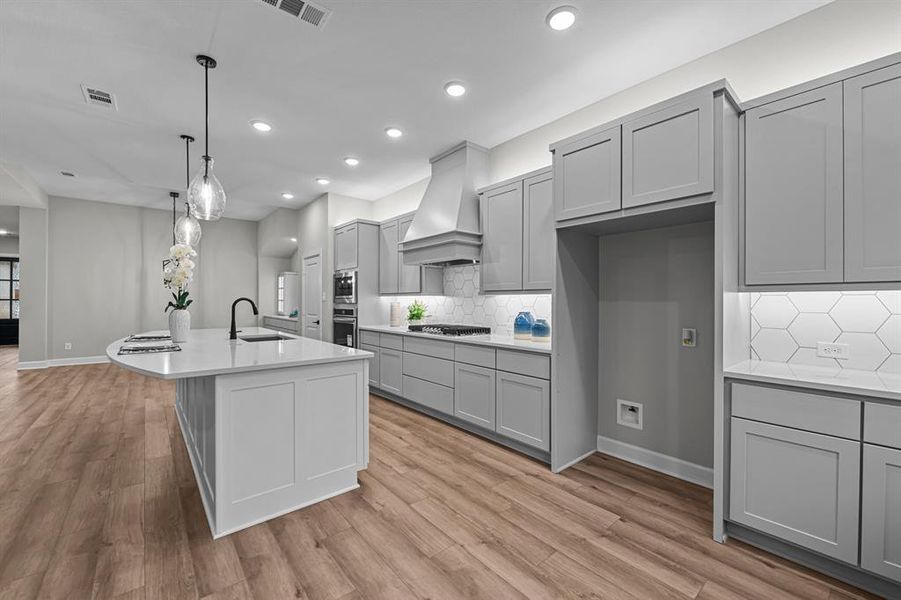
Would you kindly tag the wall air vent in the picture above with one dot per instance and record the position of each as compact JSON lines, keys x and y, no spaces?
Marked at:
{"x":98,"y":97}
{"x":308,"y":12}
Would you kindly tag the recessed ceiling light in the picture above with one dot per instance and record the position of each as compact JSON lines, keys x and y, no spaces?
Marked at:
{"x":261,"y":126}
{"x":322,"y":181}
{"x":288,"y":196}
{"x":350,"y":161}
{"x":3,"y":232}
{"x":393,"y":132}
{"x":294,"y":240}
{"x":67,"y":173}
{"x":561,"y":18}
{"x":455,"y":89}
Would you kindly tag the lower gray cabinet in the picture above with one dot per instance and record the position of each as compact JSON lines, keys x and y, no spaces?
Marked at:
{"x":880,"y":535}
{"x":474,"y":394}
{"x":391,"y":370}
{"x":524,"y":409}
{"x":799,"y":486}
{"x":373,"y":364}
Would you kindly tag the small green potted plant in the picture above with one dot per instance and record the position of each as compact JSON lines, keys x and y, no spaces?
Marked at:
{"x":416,"y":313}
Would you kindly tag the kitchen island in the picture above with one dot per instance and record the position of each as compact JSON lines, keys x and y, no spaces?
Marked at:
{"x":272,"y":422}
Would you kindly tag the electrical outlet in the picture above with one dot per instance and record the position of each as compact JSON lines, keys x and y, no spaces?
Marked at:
{"x":630,"y":414}
{"x":839,"y":351}
{"x":67,"y":346}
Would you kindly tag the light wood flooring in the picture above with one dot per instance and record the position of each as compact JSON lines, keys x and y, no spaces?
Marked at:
{"x":97,"y":499}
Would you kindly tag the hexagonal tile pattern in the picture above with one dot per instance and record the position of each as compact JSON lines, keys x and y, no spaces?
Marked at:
{"x":890,"y":334}
{"x":892,"y":365}
{"x":891,"y":300}
{"x":755,"y":327}
{"x":867,"y":351}
{"x":859,"y":313}
{"x":810,"y":328}
{"x":814,"y":302}
{"x":774,"y":311}
{"x":774,"y":344}
{"x":543,"y":307}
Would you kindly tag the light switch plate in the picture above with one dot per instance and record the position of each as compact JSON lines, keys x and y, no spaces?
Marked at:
{"x":839,"y":351}
{"x":689,"y":337}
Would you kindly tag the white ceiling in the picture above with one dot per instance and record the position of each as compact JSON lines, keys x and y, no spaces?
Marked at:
{"x":328,"y":93}
{"x":9,"y":218}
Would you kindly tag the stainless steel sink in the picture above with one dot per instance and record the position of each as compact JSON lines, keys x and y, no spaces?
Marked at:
{"x":265,"y":337}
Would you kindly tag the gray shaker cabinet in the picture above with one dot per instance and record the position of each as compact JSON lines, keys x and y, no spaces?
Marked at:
{"x":409,"y":277}
{"x":538,"y":240}
{"x":474,"y":394}
{"x":502,"y":245}
{"x":391,"y":370}
{"x":587,"y":175}
{"x":793,"y":189}
{"x":880,"y":541}
{"x":346,"y":248}
{"x":872,"y":136}
{"x":799,"y":486}
{"x":668,"y":154}
{"x":388,"y":257}
{"x":373,"y":364}
{"x":524,"y":409}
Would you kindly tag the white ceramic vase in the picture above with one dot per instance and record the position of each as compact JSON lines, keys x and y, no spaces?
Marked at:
{"x":179,"y":325}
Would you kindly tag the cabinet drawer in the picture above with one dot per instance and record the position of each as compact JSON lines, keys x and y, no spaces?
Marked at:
{"x":434,"y":348}
{"x":524,"y":363}
{"x":882,"y":424}
{"x":821,"y":414}
{"x":391,"y":340}
{"x":474,"y":355}
{"x":801,"y":487}
{"x":429,"y":368}
{"x":370,"y":338}
{"x":432,"y":395}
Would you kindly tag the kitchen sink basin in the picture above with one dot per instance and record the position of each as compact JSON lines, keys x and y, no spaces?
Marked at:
{"x":264,"y":337}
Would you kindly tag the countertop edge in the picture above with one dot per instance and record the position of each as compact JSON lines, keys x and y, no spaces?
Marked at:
{"x":812,"y":384}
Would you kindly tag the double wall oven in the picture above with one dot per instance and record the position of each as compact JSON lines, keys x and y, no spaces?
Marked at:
{"x":344,"y":318}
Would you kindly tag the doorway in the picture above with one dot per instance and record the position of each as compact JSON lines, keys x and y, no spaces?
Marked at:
{"x":9,"y":301}
{"x":312,"y":296}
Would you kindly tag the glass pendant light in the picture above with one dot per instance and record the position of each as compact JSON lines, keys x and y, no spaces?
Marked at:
{"x":206,"y":196}
{"x":187,"y":228}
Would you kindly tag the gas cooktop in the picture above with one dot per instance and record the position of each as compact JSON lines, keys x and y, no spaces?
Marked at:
{"x":454,"y":330}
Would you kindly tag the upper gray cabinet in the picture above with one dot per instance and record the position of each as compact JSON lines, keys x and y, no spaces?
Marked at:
{"x":793,"y":189}
{"x":587,"y":175}
{"x":518,"y":243}
{"x":394,"y":276}
{"x":409,"y":277}
{"x":873,"y":176}
{"x":668,"y":154}
{"x":502,"y":248}
{"x":346,"y":247}
{"x":388,"y":257}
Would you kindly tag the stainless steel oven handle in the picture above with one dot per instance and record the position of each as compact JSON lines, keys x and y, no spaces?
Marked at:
{"x":350,"y":320}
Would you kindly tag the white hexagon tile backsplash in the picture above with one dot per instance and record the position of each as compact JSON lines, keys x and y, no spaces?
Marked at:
{"x":786,"y":327}
{"x":462,"y":303}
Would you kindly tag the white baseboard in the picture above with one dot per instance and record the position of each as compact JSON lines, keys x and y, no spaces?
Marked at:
{"x":676,"y":467}
{"x":62,"y":362}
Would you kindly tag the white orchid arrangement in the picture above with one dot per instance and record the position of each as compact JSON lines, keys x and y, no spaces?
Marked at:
{"x":178,"y":271}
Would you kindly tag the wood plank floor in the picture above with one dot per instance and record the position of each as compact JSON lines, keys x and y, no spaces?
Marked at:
{"x":97,"y":499}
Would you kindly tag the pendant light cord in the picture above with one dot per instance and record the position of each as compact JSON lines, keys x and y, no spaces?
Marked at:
{"x":188,"y":140}
{"x":206,"y":109}
{"x":173,"y":219}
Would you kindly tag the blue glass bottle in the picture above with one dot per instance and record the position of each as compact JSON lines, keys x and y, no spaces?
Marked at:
{"x":541,"y":331}
{"x":522,"y":326}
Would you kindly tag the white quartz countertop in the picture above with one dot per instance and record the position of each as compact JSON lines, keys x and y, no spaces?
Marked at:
{"x":830,"y":379}
{"x":210,"y":352}
{"x":495,"y":340}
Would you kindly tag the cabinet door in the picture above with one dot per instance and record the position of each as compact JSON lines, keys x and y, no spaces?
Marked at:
{"x":474,"y":394}
{"x":799,"y":486}
{"x":373,"y":365}
{"x":538,"y":235}
{"x":391,"y":370}
{"x":793,"y":189}
{"x":669,"y":154}
{"x":346,"y":248}
{"x":409,"y":277}
{"x":880,"y":535}
{"x":502,"y":238}
{"x":873,"y":176}
{"x":587,"y":176}
{"x":388,"y":258}
{"x":524,"y":409}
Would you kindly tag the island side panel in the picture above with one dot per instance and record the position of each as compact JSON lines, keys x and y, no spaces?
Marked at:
{"x":195,"y":407}
{"x":287,"y":438}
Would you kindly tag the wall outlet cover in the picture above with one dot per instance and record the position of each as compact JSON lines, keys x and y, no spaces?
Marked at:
{"x":629,"y":414}
{"x":689,"y":337}
{"x":67,"y":346}
{"x":828,"y":350}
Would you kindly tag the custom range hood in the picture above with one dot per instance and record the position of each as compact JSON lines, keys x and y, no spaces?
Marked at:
{"x":445,"y":230}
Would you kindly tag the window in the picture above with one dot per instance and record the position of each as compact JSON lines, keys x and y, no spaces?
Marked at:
{"x":281,"y":295}
{"x":9,"y":288}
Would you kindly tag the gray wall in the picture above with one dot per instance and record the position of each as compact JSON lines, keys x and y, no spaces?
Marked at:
{"x":653,"y":283}
{"x":313,"y":235}
{"x":9,"y":245}
{"x":33,"y":284}
{"x":105,"y":266}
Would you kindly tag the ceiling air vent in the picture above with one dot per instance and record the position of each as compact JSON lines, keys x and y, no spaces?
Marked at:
{"x":308,"y":12}
{"x":98,"y":97}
